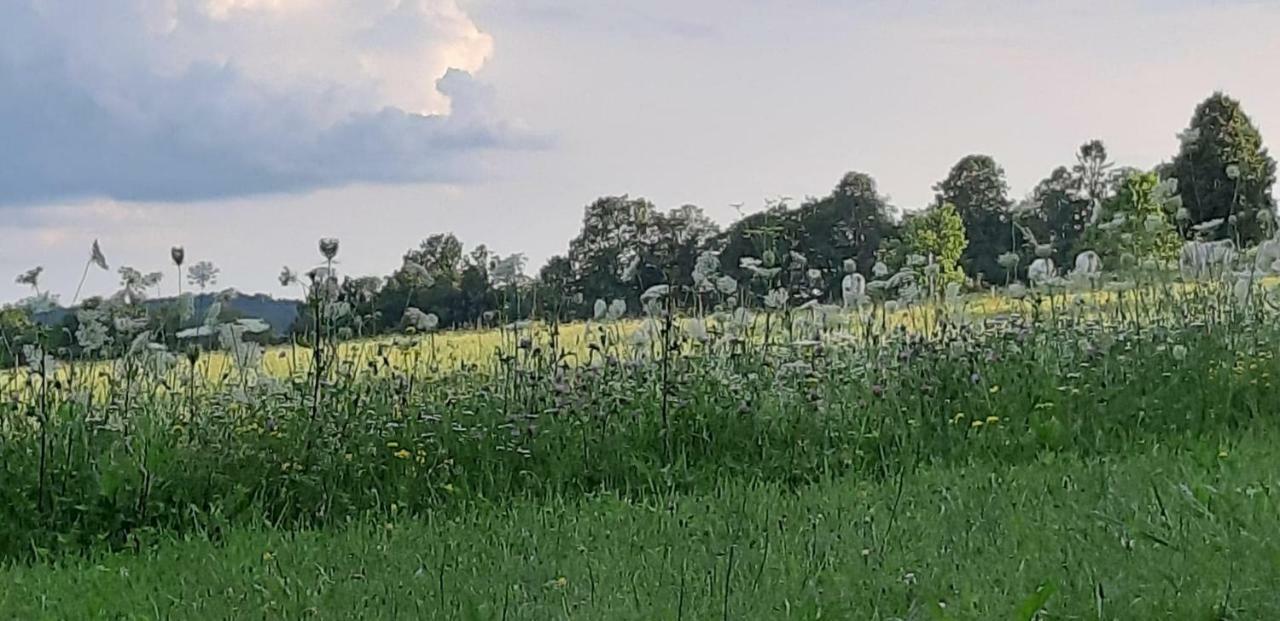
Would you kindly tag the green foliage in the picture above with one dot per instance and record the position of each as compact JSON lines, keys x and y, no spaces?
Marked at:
{"x":1221,"y":135}
{"x":1137,"y":223}
{"x":938,"y":233}
{"x":976,"y":186}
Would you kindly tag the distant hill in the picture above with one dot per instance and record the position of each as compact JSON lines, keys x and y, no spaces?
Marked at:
{"x":279,"y":314}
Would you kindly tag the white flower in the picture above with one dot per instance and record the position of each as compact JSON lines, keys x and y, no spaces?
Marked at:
{"x":1241,"y":290}
{"x":654,"y":293}
{"x":1008,"y":260}
{"x":1179,"y":352}
{"x":1233,"y":172}
{"x":853,"y":289}
{"x":601,"y":307}
{"x":696,"y":329}
{"x":617,"y":309}
{"x":420,"y":321}
{"x":879,"y":270}
{"x":776,"y":299}
{"x":727,"y":285}
{"x":850,"y":266}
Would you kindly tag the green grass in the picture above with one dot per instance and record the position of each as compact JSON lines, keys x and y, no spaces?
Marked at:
{"x":1183,"y":530}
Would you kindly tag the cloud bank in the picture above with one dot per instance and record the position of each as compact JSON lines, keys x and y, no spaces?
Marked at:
{"x":178,"y":100}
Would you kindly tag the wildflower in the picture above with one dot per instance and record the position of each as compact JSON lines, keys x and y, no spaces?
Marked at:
{"x":402,"y":454}
{"x":776,"y":299}
{"x":328,"y":248}
{"x":287,"y":276}
{"x":1233,"y":172}
{"x":601,"y":308}
{"x":991,"y":420}
{"x":1179,"y":352}
{"x":178,"y":255}
{"x":1242,"y":289}
{"x":891,"y":306}
{"x":853,"y":289}
{"x":1017,"y":291}
{"x":1008,"y":260}
{"x":617,"y":309}
{"x":879,"y":270}
{"x":727,"y":285}
{"x":1041,"y":270}
{"x":655,"y":292}
{"x":976,"y":423}
{"x":850,"y":266}
{"x":91,"y":334}
{"x":696,"y":328}
{"x":96,"y":257}
{"x":31,"y":278}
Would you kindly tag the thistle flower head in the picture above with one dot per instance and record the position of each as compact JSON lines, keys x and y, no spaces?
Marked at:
{"x":328,"y":248}
{"x":178,"y":254}
{"x":288,"y":277}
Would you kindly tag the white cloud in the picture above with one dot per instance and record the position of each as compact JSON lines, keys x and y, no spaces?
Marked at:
{"x":187,"y":99}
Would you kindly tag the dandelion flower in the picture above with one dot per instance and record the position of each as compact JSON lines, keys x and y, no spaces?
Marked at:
{"x":1233,"y":172}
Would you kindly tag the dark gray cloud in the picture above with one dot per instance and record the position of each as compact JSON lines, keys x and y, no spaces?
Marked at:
{"x":117,"y":122}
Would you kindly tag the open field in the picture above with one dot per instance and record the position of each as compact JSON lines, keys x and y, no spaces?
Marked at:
{"x":1178,"y":529}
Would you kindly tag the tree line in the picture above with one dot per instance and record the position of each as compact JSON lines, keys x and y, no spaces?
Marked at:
{"x":1216,"y":187}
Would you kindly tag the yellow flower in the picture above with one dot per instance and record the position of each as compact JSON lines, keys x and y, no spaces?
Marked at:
{"x":267,"y":556}
{"x":991,"y":420}
{"x":975,"y":424}
{"x":1222,"y":454}
{"x":402,"y":454}
{"x":994,"y":389}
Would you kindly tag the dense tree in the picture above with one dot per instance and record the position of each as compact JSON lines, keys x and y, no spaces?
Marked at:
{"x":1224,"y":171}
{"x":977,"y":188}
{"x":852,"y":222}
{"x":608,"y":255}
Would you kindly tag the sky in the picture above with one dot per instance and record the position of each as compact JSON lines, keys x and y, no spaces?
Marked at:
{"x":245,"y":130}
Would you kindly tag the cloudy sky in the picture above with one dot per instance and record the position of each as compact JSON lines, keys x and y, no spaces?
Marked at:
{"x":246,"y":129}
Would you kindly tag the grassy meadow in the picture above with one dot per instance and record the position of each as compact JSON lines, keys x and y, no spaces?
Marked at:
{"x":1062,"y":455}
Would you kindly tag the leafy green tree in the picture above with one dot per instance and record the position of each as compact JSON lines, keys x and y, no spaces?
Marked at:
{"x":607,"y":255}
{"x":938,"y":232}
{"x":977,"y":188}
{"x":1137,"y":223}
{"x":1224,"y":170}
{"x":852,"y":222}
